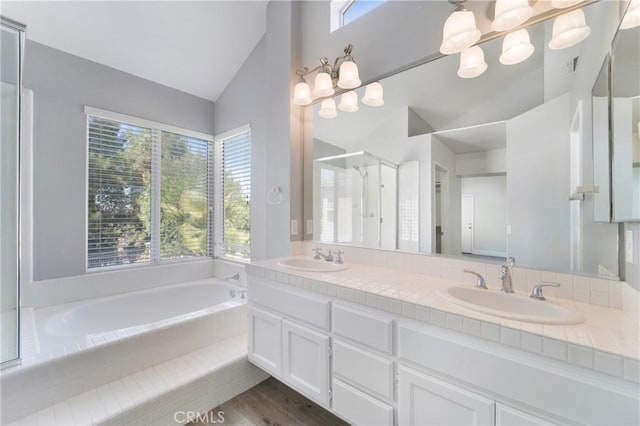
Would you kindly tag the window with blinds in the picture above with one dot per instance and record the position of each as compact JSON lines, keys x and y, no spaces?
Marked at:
{"x":233,"y":194}
{"x":148,"y":191}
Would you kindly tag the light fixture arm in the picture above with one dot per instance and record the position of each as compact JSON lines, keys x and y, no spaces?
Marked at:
{"x":459,"y":5}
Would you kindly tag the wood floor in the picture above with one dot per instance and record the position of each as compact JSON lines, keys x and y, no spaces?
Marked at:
{"x":271,"y":403}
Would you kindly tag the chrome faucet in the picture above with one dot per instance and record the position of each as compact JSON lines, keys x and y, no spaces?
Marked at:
{"x":338,"y":258}
{"x":319,"y":255}
{"x":480,"y":282}
{"x":505,"y":275}
{"x":536,"y":292}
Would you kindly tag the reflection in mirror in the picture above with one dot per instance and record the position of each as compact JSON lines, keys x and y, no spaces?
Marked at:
{"x":601,"y":135}
{"x":487,"y":167}
{"x":625,"y":121}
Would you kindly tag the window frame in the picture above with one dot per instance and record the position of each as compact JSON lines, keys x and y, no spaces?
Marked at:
{"x":156,"y":135}
{"x":218,"y":196}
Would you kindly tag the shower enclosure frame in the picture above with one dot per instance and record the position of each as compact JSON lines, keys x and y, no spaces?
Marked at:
{"x":20,"y":29}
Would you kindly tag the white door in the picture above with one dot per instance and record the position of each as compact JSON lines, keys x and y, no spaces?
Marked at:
{"x":306,"y":361}
{"x":467,"y":223}
{"x":424,"y":400}
{"x":265,"y":341}
{"x":507,"y":416}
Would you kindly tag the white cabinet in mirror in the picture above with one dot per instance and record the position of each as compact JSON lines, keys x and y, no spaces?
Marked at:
{"x":484,"y":168}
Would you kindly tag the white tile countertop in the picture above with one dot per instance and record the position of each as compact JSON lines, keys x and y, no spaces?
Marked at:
{"x":607,"y":341}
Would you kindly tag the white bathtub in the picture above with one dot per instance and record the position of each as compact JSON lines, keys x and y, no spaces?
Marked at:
{"x":85,"y":345}
{"x":138,"y":308}
{"x":88,"y":323}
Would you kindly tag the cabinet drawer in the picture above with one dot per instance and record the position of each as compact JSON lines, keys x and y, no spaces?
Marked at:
{"x":364,"y":369}
{"x":363,"y":328}
{"x":290,"y":303}
{"x":358,"y":408}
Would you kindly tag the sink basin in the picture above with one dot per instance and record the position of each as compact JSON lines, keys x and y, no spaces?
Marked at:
{"x":311,"y":265}
{"x":512,"y":306}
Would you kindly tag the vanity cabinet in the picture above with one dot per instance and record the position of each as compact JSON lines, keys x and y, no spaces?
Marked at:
{"x":425,"y":400}
{"x":306,"y":361}
{"x":376,"y":368}
{"x":265,"y":341}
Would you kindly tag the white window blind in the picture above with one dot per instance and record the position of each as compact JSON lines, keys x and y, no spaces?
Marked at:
{"x":119,"y":193}
{"x":148,"y":191}
{"x":233,"y":194}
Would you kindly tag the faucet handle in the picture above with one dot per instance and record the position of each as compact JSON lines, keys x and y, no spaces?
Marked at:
{"x":536,"y":292}
{"x":338,"y":258}
{"x":480,"y":282}
{"x":511,"y":261}
{"x":317,"y":253}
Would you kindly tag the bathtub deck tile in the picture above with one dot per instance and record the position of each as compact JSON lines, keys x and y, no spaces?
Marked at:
{"x":134,"y":390}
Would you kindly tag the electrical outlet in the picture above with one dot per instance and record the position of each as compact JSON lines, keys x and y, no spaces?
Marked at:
{"x":309,"y":226}
{"x":294,"y":227}
{"x":628,"y":246}
{"x":508,"y":229}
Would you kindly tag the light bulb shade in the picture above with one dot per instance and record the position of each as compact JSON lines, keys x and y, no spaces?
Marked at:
{"x":472,"y":62}
{"x":349,"y":102}
{"x":631,"y":19}
{"x":516,"y":47}
{"x":459,"y":32}
{"x":510,"y":13}
{"x":328,"y":109}
{"x":302,"y":94}
{"x":373,"y":95}
{"x":563,"y":4}
{"x":349,"y":76}
{"x":569,"y":29}
{"x":323,"y":85}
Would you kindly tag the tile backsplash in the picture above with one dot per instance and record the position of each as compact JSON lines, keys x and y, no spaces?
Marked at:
{"x":597,"y":291}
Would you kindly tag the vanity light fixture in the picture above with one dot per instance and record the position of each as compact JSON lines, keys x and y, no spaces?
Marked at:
{"x":569,"y":29}
{"x":510,"y":14}
{"x":516,"y":47}
{"x":632,"y":17}
{"x":472,"y":62}
{"x":373,"y":95}
{"x":349,"y":102}
{"x":328,"y":109}
{"x":460,"y":30}
{"x":344,"y":74}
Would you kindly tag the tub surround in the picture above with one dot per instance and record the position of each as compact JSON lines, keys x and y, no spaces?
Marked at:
{"x":607,"y":341}
{"x":56,"y":368}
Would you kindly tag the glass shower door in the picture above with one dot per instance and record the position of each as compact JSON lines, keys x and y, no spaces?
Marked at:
{"x":10,"y":79}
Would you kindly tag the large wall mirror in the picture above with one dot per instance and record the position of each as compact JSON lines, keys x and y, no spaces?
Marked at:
{"x":488,"y":167}
{"x":625,"y":119}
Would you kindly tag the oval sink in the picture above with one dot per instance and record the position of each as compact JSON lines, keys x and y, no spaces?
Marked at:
{"x":311,"y":265}
{"x":512,"y":306}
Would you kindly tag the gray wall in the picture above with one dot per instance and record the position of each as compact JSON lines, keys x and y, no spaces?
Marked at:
{"x":259,"y":95}
{"x":63,"y":84}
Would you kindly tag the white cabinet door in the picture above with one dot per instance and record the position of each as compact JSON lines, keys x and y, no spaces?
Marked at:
{"x":424,"y":400}
{"x":507,"y":416}
{"x":265,"y":341}
{"x":306,"y":361}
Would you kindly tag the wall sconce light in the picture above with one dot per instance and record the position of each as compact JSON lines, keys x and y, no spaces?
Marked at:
{"x":516,"y":47}
{"x":349,"y":102}
{"x":568,"y":30}
{"x":328,"y":109}
{"x":460,"y":30}
{"x":343,"y":74}
{"x":510,"y":14}
{"x":472,"y":62}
